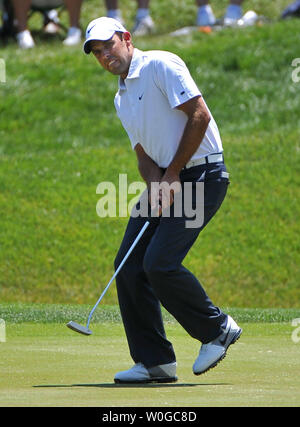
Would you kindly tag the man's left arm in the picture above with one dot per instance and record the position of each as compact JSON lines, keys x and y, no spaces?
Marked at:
{"x":196,"y":126}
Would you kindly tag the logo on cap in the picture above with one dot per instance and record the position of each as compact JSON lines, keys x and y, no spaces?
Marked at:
{"x":91,"y":28}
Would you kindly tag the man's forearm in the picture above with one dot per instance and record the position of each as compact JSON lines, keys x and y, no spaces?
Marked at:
{"x":149,"y":170}
{"x":192,"y":137}
{"x":195,"y":128}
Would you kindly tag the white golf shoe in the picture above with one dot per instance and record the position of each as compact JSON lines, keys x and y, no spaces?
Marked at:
{"x":25,"y":40}
{"x":73,"y":37}
{"x":212,"y":353}
{"x":140,"y":374}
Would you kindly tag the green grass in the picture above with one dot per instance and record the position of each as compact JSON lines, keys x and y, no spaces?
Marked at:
{"x":44,"y":364}
{"x":57,"y":313}
{"x":60,"y":137}
{"x":49,"y":365}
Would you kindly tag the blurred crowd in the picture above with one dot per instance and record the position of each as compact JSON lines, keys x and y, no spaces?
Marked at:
{"x":144,"y":23}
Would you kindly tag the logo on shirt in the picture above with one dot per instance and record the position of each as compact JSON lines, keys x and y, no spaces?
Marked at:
{"x":140,"y":97}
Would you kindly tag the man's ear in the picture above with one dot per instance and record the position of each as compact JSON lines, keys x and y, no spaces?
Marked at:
{"x":127,"y":36}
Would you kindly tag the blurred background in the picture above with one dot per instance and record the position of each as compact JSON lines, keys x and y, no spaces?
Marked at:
{"x":60,"y":137}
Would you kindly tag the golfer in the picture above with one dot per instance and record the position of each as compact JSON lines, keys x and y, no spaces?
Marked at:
{"x":176,"y":141}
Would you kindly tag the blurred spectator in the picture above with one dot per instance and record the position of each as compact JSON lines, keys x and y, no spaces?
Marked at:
{"x":143,"y":22}
{"x":24,"y":37}
{"x":292,"y":10}
{"x":206,"y":17}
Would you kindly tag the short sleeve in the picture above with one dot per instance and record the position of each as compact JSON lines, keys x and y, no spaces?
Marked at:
{"x":174,"y":80}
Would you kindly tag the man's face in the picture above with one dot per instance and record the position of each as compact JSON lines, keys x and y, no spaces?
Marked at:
{"x":114,"y":54}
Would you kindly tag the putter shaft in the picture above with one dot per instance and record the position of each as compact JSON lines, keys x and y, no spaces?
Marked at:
{"x":117,"y":271}
{"x":85,"y":329}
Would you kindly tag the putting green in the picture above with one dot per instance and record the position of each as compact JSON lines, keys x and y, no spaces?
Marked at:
{"x":50,"y":365}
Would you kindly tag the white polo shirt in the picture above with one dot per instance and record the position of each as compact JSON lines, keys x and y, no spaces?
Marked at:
{"x":146,"y":103}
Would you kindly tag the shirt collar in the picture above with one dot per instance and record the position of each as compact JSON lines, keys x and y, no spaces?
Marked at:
{"x":134,"y":69}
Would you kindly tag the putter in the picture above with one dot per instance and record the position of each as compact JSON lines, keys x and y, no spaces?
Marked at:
{"x":85,"y":329}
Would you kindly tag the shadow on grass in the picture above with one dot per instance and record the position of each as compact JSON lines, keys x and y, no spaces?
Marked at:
{"x":146,"y":385}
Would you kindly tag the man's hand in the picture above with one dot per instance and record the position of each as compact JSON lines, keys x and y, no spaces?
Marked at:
{"x":162,"y":186}
{"x":162,"y":194}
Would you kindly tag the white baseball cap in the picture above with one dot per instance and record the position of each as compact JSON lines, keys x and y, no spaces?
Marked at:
{"x":101,"y":29}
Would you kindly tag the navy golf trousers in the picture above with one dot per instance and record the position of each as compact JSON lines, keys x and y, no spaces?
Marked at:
{"x":153,"y":274}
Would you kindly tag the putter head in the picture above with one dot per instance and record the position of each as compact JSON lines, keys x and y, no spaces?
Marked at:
{"x":79,"y":328}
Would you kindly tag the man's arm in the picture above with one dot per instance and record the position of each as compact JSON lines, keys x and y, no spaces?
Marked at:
{"x":197,"y":123}
{"x":149,"y":170}
{"x":196,"y":126}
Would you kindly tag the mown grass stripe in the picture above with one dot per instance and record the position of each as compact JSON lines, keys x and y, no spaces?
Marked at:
{"x":57,"y":313}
